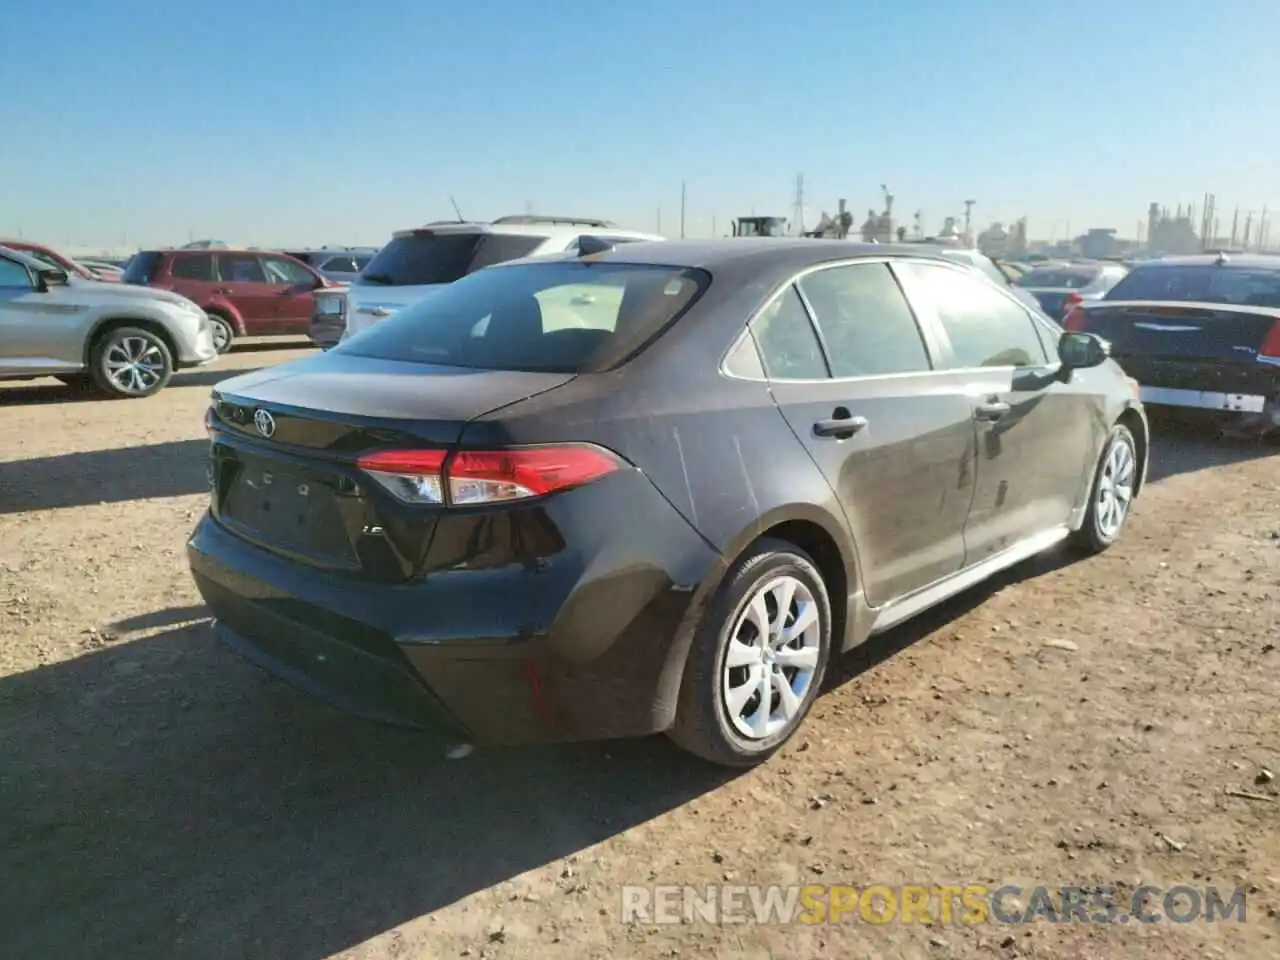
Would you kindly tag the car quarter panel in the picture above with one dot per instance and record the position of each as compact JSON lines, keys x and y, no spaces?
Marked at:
{"x":717,"y":447}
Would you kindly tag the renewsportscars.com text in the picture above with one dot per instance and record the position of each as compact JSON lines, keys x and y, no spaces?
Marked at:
{"x":961,"y":904}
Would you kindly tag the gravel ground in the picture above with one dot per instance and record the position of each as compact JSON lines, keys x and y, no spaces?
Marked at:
{"x":1073,"y":724}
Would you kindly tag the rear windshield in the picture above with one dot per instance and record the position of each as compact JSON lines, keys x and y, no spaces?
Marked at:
{"x":1062,"y":278}
{"x":141,"y":267}
{"x":427,"y":258}
{"x":560,"y":316}
{"x":1203,"y":283}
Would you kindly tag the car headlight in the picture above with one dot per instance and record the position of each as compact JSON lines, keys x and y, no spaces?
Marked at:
{"x":331,"y":305}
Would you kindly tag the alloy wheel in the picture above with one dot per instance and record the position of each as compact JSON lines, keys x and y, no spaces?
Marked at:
{"x":221,"y":334}
{"x":774,"y":650}
{"x":1115,"y":488}
{"x":134,"y":364}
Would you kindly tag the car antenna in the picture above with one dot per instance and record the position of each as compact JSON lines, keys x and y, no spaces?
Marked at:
{"x":455,"y":209}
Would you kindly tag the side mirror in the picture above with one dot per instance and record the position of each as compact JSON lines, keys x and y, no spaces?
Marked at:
{"x":1079,"y":351}
{"x":52,"y":277}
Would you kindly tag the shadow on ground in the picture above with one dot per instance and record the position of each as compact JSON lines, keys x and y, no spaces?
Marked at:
{"x":168,"y":469}
{"x":163,"y":799}
{"x":266,"y":344}
{"x":48,"y":390}
{"x":884,"y":646}
{"x":1179,"y":447}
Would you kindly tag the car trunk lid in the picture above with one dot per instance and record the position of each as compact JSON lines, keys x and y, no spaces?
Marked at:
{"x":1179,"y":331}
{"x":285,"y":442}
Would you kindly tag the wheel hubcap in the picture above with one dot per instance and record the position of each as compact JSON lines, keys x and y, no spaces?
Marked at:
{"x":773,"y":653}
{"x":1115,"y":489}
{"x":134,"y":364}
{"x":221,"y":336}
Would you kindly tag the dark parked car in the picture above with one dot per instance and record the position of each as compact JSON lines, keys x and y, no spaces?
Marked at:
{"x":245,"y":292}
{"x":1200,"y":334}
{"x":651,"y":489}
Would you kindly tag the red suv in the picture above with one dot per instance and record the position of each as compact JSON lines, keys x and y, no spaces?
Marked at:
{"x":246,"y":293}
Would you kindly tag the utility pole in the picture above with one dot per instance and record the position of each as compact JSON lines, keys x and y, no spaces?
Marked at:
{"x":1235,"y":226}
{"x":683,"y":198}
{"x":797,"y":213}
{"x":968,"y":222}
{"x":1248,"y":228}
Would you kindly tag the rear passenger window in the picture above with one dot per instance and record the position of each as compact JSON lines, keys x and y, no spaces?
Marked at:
{"x":789,"y":348}
{"x":240,"y":268}
{"x":985,"y":327}
{"x":192,"y":267}
{"x":865,"y":320}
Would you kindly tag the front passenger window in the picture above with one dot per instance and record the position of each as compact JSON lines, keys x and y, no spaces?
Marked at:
{"x":986,"y":328}
{"x":788,"y":346}
{"x":14,"y":274}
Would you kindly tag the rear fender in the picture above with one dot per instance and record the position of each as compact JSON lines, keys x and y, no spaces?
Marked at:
{"x":668,"y":692}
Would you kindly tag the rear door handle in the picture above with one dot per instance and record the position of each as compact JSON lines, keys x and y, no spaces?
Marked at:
{"x":222,"y":290}
{"x":991,"y":411}
{"x":839,"y":427}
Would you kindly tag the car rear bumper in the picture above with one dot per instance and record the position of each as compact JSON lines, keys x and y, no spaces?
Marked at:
{"x":1249,"y":390}
{"x":194,"y":347}
{"x":580,"y":648}
{"x":326,"y":331}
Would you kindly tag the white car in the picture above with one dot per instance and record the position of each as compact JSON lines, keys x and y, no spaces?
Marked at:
{"x":417,"y":261}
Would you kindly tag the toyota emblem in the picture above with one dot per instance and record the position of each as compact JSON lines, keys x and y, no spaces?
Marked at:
{"x":265,"y":423}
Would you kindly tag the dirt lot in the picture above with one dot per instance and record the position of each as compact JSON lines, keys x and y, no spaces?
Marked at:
{"x":161,"y":798}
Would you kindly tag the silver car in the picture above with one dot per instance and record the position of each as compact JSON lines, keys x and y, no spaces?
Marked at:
{"x":123,"y":340}
{"x":1060,"y":286}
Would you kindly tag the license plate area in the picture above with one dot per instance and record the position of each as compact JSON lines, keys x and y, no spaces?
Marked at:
{"x":286,"y":510}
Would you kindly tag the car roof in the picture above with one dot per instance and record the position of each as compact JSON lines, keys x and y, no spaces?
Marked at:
{"x":1264,"y":260}
{"x":789,"y":252}
{"x":531,"y":229}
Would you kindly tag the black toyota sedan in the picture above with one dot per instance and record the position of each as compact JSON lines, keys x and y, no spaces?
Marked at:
{"x":655,"y":488}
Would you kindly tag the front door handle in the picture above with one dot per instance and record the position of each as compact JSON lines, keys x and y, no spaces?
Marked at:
{"x":840,"y":427}
{"x":991,"y":411}
{"x":223,"y":291}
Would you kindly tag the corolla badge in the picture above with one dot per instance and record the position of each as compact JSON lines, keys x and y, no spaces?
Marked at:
{"x":265,"y":423}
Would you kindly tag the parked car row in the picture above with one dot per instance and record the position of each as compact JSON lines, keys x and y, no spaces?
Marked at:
{"x":1060,"y":286}
{"x":78,"y":268}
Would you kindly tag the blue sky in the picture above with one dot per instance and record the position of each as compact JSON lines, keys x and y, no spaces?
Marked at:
{"x":321,"y":121}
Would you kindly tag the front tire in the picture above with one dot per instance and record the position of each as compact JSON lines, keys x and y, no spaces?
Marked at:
{"x":1114,"y":483}
{"x":757,"y":660}
{"x":130,"y":362}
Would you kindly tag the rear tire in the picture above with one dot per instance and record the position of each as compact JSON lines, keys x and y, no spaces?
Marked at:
{"x":1115,"y":481}
{"x":734,"y":664}
{"x":224,"y":332}
{"x":130,"y":362}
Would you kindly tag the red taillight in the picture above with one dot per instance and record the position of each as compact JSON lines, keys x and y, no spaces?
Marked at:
{"x":1074,"y":319}
{"x":486,"y":476}
{"x":1270,"y":348}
